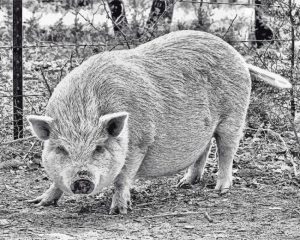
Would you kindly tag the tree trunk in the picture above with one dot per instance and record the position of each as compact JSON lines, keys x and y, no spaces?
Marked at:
{"x":262,"y":31}
{"x":161,"y":12}
{"x":118,"y":14}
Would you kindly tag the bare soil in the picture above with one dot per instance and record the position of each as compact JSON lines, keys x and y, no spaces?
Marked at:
{"x":263,"y":204}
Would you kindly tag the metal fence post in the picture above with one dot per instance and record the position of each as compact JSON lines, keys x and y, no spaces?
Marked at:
{"x":17,"y":70}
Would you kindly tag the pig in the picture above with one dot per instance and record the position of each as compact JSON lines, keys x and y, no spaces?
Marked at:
{"x":146,"y":112}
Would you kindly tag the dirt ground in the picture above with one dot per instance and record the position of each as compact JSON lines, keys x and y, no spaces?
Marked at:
{"x":263,"y":204}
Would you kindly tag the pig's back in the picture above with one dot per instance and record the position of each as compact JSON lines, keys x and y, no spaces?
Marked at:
{"x":192,"y":68}
{"x":201,"y":80}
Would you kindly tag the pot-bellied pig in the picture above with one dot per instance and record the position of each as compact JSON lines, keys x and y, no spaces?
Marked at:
{"x":149,"y":111}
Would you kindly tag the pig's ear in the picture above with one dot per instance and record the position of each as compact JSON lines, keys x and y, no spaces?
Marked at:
{"x":114,"y":123}
{"x":40,"y":126}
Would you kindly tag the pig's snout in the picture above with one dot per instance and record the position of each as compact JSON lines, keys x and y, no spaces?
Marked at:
{"x":82,"y":185}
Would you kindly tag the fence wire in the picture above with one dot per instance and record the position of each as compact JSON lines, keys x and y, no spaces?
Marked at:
{"x":61,"y":45}
{"x":47,"y":62}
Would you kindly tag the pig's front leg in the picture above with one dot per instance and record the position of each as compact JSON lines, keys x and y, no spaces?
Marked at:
{"x":50,"y":197}
{"x":121,"y":199}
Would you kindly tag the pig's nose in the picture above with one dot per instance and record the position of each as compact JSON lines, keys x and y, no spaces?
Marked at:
{"x":83,"y":174}
{"x":82,"y":186}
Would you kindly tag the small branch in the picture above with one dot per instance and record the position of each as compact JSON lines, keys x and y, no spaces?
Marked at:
{"x":208,"y":217}
{"x":271,"y":132}
{"x":114,"y":23}
{"x":16,"y":150}
{"x":27,"y":153}
{"x":62,"y":68}
{"x":17,"y":140}
{"x":29,"y":95}
{"x":46,"y":82}
{"x":293,"y":124}
{"x":294,"y":166}
{"x":87,"y":20}
{"x":11,"y":164}
{"x":277,"y":135}
{"x":175,"y":214}
{"x":230,"y":25}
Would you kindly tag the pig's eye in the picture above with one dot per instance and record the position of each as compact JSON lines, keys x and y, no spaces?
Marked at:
{"x":61,"y":150}
{"x":99,"y":149}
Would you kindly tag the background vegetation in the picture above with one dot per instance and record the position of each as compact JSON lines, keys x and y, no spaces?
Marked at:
{"x":51,"y":51}
{"x":264,"y":201}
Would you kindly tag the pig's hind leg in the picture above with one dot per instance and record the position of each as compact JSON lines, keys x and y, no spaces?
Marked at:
{"x":227,"y":137}
{"x":50,"y":197}
{"x":195,"y":171}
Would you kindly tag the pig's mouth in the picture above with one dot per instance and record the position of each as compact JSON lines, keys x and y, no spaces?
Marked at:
{"x":82,"y":186}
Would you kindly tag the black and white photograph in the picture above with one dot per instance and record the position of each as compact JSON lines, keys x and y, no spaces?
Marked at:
{"x":150,"y":119}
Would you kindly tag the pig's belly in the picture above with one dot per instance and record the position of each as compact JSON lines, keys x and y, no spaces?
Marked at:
{"x":166,"y":157}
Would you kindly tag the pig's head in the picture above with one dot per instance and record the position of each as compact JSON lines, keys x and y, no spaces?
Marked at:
{"x":85,"y":157}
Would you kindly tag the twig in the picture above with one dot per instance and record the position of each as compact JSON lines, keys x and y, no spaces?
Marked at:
{"x":62,"y":68}
{"x":271,"y":132}
{"x":30,"y":95}
{"x":277,"y":135}
{"x":14,"y":163}
{"x":27,"y":153}
{"x":123,"y":34}
{"x":292,"y":122}
{"x":83,"y":59}
{"x":87,"y":20}
{"x":145,"y":204}
{"x":175,"y":214}
{"x":294,"y":166}
{"x":230,"y":25}
{"x":20,"y":150}
{"x":46,"y":82}
{"x":208,"y":217}
{"x":17,"y":140}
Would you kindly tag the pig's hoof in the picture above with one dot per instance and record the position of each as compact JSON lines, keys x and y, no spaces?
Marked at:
{"x":41,"y":201}
{"x":120,"y":204}
{"x":183,"y":183}
{"x":121,"y":209}
{"x":50,"y":197}
{"x":187,"y":182}
{"x":223,"y":185}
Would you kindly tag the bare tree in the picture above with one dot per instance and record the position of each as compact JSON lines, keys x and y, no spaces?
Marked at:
{"x":262,"y":30}
{"x":118,"y":14}
{"x":161,"y":12}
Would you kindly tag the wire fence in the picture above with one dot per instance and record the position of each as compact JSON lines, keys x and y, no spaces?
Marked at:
{"x":47,"y":62}
{"x":61,"y":45}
